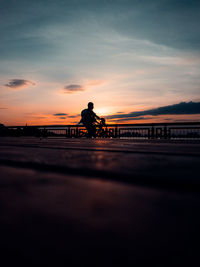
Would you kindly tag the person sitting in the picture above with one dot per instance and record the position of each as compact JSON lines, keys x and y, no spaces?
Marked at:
{"x":89,"y":118}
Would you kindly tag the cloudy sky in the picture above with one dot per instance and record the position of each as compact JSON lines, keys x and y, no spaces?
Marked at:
{"x":128,"y":57}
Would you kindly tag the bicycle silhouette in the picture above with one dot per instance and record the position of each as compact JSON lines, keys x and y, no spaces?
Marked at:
{"x":101,"y":130}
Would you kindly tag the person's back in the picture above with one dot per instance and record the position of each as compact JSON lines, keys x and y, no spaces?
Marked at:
{"x":88,"y":116}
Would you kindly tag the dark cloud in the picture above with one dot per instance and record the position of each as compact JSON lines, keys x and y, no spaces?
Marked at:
{"x":40,"y":117}
{"x":62,"y":118}
{"x":60,"y":114}
{"x":134,"y":119}
{"x":18,"y":83}
{"x":73,"y":116}
{"x":182,"y":108}
{"x":3,"y":108}
{"x":72,"y":88}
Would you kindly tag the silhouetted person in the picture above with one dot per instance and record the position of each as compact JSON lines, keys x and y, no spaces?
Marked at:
{"x":88,"y":118}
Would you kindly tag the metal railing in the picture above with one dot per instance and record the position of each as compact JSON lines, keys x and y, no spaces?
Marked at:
{"x":179,"y":130}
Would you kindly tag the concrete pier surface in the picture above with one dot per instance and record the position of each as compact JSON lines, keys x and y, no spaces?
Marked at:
{"x":99,"y":202}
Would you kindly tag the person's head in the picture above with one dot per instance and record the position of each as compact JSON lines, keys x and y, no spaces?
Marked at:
{"x":90,"y":105}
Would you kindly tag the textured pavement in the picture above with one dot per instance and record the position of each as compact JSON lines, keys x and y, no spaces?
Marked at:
{"x":99,"y":202}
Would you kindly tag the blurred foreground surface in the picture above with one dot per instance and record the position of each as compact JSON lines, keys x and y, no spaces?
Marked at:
{"x":99,"y":202}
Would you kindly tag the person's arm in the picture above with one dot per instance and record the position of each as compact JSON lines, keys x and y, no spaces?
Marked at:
{"x":97,"y":116}
{"x":79,"y":122}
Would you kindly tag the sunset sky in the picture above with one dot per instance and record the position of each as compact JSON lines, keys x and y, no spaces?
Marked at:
{"x":125,"y":56}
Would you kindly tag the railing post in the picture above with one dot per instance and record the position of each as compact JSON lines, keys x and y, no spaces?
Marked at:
{"x":169,"y":133}
{"x":165,"y":132}
{"x":152,"y":132}
{"x":77,"y":133}
{"x":119,"y":132}
{"x":69,"y":132}
{"x":116,"y":132}
{"x":149,"y":133}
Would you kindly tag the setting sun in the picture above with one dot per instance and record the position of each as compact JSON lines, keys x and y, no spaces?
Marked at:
{"x":104,"y":111}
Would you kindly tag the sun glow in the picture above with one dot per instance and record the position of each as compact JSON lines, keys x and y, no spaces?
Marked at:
{"x":102,"y":111}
